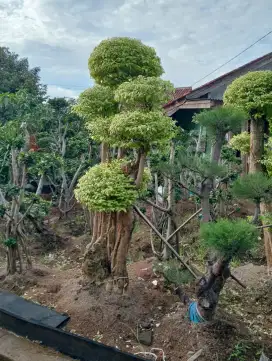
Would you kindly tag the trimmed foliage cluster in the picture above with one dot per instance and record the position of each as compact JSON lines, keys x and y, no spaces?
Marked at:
{"x":241,"y":142}
{"x":252,"y":92}
{"x":106,"y":188}
{"x":117,"y":60}
{"x":144,"y":93}
{"x":140,"y":129}
{"x":229,"y":238}
{"x":96,"y":102}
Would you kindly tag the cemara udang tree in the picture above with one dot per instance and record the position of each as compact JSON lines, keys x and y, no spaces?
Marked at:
{"x":123,"y":110}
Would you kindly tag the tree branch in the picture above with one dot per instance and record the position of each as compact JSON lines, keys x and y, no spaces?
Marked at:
{"x":75,"y":177}
{"x":166,"y":210}
{"x":181,"y":185}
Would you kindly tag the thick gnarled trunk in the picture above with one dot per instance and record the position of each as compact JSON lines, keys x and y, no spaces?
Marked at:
{"x":106,"y":256}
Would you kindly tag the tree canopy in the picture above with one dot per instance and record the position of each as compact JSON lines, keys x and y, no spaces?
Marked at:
{"x":117,"y":60}
{"x":252,"y":92}
{"x":254,"y":186}
{"x":221,"y":120}
{"x":15,"y":74}
{"x":229,"y":238}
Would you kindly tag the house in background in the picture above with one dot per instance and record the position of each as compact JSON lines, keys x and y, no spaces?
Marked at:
{"x":188,"y":101}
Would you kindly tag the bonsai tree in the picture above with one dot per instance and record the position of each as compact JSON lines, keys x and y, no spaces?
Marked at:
{"x":218,"y":122}
{"x":132,"y":120}
{"x":253,"y":93}
{"x":227,"y":239}
{"x":254,"y":186}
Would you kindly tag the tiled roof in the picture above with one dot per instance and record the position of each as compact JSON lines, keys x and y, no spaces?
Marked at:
{"x":267,"y":56}
{"x":183,"y":91}
{"x":179,"y":93}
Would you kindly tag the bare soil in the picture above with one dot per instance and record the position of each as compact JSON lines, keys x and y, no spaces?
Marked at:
{"x":57,"y":281}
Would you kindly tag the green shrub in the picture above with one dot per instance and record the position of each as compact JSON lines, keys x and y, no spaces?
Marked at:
{"x":173,"y":273}
{"x":10,"y":242}
{"x":229,"y":238}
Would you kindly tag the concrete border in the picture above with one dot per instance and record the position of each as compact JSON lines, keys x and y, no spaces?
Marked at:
{"x":67,"y":343}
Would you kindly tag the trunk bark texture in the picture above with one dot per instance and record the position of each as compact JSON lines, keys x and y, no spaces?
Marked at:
{"x":210,"y":288}
{"x":244,"y":157}
{"x":267,"y":208}
{"x":256,"y":144}
{"x":104,"y":152}
{"x":105,"y":257}
{"x":205,"y":191}
{"x":170,"y":202}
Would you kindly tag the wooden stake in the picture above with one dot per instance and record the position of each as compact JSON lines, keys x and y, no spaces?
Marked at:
{"x":164,"y":240}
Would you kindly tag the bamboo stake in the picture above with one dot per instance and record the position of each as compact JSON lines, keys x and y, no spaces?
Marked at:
{"x":184,"y":224}
{"x":164,"y":240}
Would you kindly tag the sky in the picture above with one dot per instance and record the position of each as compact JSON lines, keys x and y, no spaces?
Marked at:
{"x":192,"y":37}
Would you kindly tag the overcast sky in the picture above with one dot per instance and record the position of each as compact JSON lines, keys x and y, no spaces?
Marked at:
{"x":192,"y":37}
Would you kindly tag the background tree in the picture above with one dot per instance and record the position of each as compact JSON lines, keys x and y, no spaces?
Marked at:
{"x":218,"y":122}
{"x":256,"y":187}
{"x":66,"y":139}
{"x":15,"y":75}
{"x":253,"y":93}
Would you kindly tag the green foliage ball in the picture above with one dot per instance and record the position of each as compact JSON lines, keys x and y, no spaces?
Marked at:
{"x":96,"y":102}
{"x":241,"y":142}
{"x":252,"y":92}
{"x":138,"y":129}
{"x":120,"y":59}
{"x":231,"y":238}
{"x":145,"y":93}
{"x":105,"y":188}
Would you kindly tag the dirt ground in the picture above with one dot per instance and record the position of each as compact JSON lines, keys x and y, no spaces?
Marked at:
{"x":243,"y":321}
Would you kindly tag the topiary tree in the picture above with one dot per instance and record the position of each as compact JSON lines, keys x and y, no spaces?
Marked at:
{"x":117,"y":60}
{"x":254,"y":186}
{"x":132,"y":120}
{"x":253,"y":93}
